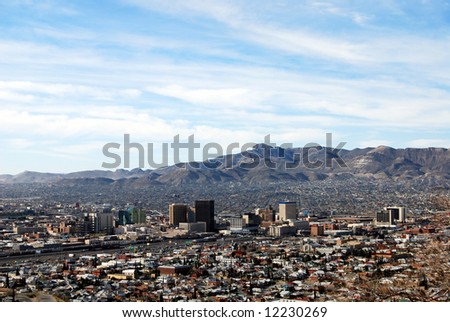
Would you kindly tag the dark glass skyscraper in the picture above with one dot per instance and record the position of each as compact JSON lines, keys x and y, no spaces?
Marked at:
{"x":124,"y":218}
{"x":204,"y":211}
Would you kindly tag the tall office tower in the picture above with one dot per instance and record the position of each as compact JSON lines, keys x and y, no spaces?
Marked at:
{"x":124,"y":218}
{"x":177,"y":214}
{"x":204,"y":211}
{"x":105,"y":223}
{"x":138,"y":216}
{"x":397,"y":214}
{"x":266,"y":214}
{"x":391,"y":216}
{"x":288,"y":210}
{"x":383,"y":218}
{"x":101,"y":223}
{"x":251,"y":219}
{"x":93,"y":223}
{"x":190,"y":214}
{"x":83,"y":225}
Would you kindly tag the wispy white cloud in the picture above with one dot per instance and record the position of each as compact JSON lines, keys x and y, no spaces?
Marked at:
{"x":424,"y":143}
{"x":18,"y":143}
{"x":52,"y":89}
{"x":292,"y":41}
{"x":374,"y":47}
{"x":78,"y":34}
{"x":45,"y":6}
{"x":42,"y":55}
{"x":374,"y":143}
{"x":225,"y":12}
{"x":7,"y":95}
{"x":332,"y":8}
{"x":214,"y":97}
{"x":305,"y":43}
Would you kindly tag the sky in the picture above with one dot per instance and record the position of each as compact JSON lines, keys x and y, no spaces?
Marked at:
{"x":76,"y":75}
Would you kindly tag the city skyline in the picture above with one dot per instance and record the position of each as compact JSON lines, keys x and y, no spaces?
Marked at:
{"x":76,"y":76}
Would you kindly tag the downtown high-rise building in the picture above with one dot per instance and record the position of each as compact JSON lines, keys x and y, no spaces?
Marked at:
{"x":101,"y":223}
{"x":138,"y":216}
{"x":124,"y":218}
{"x":204,"y":212}
{"x":288,"y":210}
{"x":391,"y":216}
{"x":398,"y":214}
{"x":178,"y":213}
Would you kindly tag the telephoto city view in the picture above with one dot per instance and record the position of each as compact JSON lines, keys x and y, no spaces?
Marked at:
{"x":291,"y":152}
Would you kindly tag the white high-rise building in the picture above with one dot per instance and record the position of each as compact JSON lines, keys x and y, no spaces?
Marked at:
{"x":391,"y":216}
{"x":288,"y":210}
{"x":397,"y":214}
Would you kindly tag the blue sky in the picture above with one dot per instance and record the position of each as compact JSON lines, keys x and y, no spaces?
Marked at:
{"x":75,"y":75}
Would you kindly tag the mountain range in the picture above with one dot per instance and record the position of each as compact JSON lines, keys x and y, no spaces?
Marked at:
{"x":265,"y":164}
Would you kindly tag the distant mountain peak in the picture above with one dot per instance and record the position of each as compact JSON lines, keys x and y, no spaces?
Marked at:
{"x":383,"y":148}
{"x":263,"y":146}
{"x":279,"y":165}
